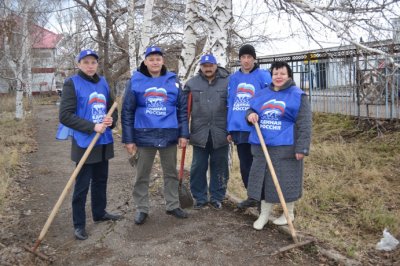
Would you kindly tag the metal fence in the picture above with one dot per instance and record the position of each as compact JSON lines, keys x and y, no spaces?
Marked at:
{"x":346,"y":81}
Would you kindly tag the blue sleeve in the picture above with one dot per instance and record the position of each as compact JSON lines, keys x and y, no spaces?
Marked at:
{"x":128,"y":115}
{"x":266,"y":78}
{"x":182,"y":112}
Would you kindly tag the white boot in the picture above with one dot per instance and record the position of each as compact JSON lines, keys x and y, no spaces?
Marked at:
{"x":263,"y":218}
{"x":282,"y":219}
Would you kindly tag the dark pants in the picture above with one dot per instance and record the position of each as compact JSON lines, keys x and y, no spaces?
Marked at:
{"x":94,"y":175}
{"x":219,"y":172}
{"x":246,"y":159}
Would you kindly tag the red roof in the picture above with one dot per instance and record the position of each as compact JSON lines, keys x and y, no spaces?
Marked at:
{"x":43,"y":38}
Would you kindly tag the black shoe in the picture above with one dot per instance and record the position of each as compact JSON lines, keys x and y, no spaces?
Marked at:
{"x":108,"y":217}
{"x":216,"y":204}
{"x":140,"y":217}
{"x":199,"y":206}
{"x":249,"y":202}
{"x":80,"y":234}
{"x":178,"y":213}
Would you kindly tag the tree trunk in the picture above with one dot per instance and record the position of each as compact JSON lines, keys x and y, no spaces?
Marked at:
{"x":219,"y":28}
{"x":131,"y":36}
{"x":19,"y":106}
{"x":188,"y":55}
{"x":146,"y":28}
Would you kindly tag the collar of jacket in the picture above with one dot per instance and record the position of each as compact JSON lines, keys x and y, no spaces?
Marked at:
{"x":289,"y":83}
{"x":220,"y":73}
{"x":143,"y":69}
{"x":254,"y":68}
{"x":93,"y":79}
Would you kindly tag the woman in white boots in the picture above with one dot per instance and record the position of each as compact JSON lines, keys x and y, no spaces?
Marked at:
{"x":284,"y":115}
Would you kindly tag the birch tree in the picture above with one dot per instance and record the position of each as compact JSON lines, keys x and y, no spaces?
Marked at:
{"x":187,"y":59}
{"x":19,"y":107}
{"x":146,"y":27}
{"x":219,"y":28}
{"x":131,"y":36}
{"x":349,"y":20}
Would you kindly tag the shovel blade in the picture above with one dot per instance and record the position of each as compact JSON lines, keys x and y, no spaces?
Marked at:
{"x":185,"y":197}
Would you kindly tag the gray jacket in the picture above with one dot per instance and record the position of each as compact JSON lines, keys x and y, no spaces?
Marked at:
{"x":209,"y":109}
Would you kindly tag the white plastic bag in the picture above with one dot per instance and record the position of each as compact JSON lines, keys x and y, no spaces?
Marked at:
{"x":388,"y":242}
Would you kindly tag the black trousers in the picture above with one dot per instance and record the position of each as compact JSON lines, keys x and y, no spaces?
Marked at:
{"x":94,"y":175}
{"x":246,"y":159}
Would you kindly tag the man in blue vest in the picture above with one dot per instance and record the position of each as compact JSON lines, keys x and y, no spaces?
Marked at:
{"x":154,"y":119}
{"x":85,"y":102}
{"x":243,"y":85}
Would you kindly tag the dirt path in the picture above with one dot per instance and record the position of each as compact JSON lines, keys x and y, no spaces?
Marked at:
{"x":208,"y":237}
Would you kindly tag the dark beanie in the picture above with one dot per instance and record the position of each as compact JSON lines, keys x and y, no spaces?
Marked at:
{"x":247,"y":49}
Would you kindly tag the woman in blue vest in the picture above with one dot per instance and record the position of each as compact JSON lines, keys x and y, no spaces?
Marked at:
{"x":154,"y":118}
{"x":285,"y":119}
{"x":84,"y":104}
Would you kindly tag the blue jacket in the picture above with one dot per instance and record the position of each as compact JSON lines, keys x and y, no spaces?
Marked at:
{"x":150,"y":119}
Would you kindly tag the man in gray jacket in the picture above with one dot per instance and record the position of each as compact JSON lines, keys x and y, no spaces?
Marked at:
{"x":208,"y":132}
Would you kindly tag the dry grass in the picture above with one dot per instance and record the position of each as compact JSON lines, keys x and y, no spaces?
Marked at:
{"x":351,"y":184}
{"x":15,"y":141}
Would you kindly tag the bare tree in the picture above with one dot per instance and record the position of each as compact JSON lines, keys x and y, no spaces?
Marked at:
{"x":188,"y":55}
{"x":219,"y":27}
{"x":19,"y":107}
{"x":146,"y":27}
{"x":131,"y":36}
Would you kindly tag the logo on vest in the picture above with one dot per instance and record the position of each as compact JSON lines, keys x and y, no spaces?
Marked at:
{"x":244,"y":93}
{"x":271,"y":114}
{"x":97,"y":102}
{"x":156,"y":101}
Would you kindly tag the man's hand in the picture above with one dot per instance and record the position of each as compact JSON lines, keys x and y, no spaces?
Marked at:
{"x":131,"y":148}
{"x":299,"y":156}
{"x":182,"y":142}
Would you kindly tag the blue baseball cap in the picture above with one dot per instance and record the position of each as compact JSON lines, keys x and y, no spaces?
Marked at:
{"x":152,"y":50}
{"x":85,"y":53}
{"x":208,"y":59}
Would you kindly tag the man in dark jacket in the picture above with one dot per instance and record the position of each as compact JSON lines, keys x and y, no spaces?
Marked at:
{"x":208,"y":133}
{"x":154,"y":119}
{"x":84,"y":104}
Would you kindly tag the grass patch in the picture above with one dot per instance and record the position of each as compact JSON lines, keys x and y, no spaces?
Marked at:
{"x":351,"y":184}
{"x":16,"y":139}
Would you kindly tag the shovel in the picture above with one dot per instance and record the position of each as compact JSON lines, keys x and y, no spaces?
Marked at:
{"x":185,"y":196}
{"x":65,"y":192}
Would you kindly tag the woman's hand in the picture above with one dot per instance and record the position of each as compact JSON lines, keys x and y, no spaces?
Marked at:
{"x":108,"y":121}
{"x":299,"y":156}
{"x":252,"y":118}
{"x":100,"y":128}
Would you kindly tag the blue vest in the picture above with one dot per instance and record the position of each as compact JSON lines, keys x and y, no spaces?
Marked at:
{"x":242,"y":88}
{"x":92,"y":106}
{"x":277,"y":111}
{"x":156,"y":100}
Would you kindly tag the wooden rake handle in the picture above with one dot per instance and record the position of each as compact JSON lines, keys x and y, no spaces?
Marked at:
{"x":182,"y":166}
{"x":276,"y":183}
{"x":69,"y":184}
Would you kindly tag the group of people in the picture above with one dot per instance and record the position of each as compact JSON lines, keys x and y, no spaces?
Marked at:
{"x":154,"y":118}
